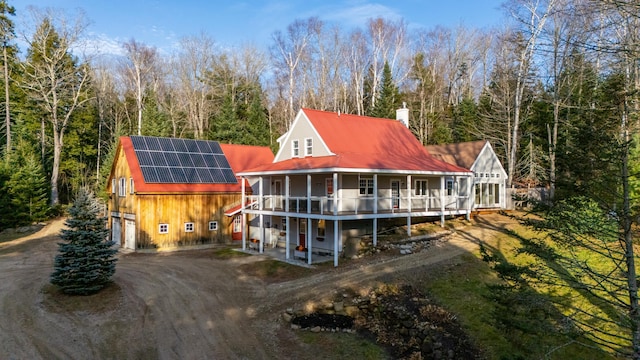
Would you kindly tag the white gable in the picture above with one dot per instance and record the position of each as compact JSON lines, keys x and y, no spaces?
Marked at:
{"x":302,"y":132}
{"x":487,"y":162}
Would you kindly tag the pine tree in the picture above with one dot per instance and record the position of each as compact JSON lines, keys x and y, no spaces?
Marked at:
{"x":389,"y":97}
{"x":85,"y":262}
{"x":27,"y":187}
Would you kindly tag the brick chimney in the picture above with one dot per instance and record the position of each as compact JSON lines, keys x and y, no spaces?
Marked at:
{"x":402,"y":114}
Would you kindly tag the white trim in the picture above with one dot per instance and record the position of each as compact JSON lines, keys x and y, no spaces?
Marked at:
{"x":355,"y":171}
{"x":160,"y":228}
{"x":214,"y":227}
{"x":299,"y":117}
{"x":131,"y":188}
{"x":295,"y":149}
{"x":189,"y":227}
{"x":306,"y":147}
{"x":122,"y":187}
{"x":130,"y":216}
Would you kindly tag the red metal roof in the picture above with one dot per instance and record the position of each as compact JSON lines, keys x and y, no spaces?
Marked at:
{"x":239,"y":157}
{"x":362,"y":142}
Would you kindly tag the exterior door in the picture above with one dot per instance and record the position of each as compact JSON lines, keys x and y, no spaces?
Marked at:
{"x":116,"y":231}
{"x":130,"y":234}
{"x":302,"y":241}
{"x":277,"y":194}
{"x":236,"y":231}
{"x":395,"y":194}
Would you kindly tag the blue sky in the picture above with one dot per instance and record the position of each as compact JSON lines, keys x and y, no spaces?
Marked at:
{"x":236,"y":22}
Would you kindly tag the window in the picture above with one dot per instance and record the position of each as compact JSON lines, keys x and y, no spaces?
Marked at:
{"x":366,"y":186}
{"x":213,"y":225}
{"x":188,"y":227}
{"x":329,"y":186}
{"x":163,"y":229}
{"x":295,"y":148}
{"x":131,"y":186}
{"x":449,"y":187}
{"x":113,"y":186}
{"x":122,"y":188}
{"x":308,"y":147}
{"x":497,"y":175}
{"x":496,"y":193}
{"x":237,"y":223}
{"x":421,"y":187}
{"x":321,"y":228}
{"x":284,"y":224}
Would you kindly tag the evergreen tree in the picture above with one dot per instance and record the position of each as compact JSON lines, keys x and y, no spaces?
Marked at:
{"x":7,"y":219}
{"x":226,"y":126}
{"x":85,"y":262}
{"x":257,"y":123}
{"x":27,"y":186}
{"x":389,"y":97}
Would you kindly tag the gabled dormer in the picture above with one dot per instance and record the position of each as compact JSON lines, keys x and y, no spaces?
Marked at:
{"x":302,"y":140}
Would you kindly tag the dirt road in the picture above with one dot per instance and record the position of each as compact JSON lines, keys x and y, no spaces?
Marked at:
{"x":182,"y":305}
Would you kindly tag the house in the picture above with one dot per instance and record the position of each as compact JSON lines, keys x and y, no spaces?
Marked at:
{"x":489,"y":177}
{"x":336,"y":176}
{"x":169,"y":192}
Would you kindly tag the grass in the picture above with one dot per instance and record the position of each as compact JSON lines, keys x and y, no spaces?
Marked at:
{"x":228,"y":253}
{"x":343,"y":346}
{"x":273,"y":271}
{"x":463,"y":287}
{"x":6,"y":236}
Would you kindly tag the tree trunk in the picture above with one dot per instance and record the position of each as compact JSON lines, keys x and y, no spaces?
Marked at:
{"x":6,"y":97}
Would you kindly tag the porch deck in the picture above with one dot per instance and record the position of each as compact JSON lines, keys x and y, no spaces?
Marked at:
{"x":279,"y":253}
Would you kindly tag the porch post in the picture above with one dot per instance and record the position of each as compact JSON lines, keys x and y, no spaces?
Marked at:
{"x":308,"y":193}
{"x":309,"y":239}
{"x":243,"y":224}
{"x":375,"y":232}
{"x":375,"y":193}
{"x":286,"y":194}
{"x":261,"y":229}
{"x":409,"y":205}
{"x":286,"y":241}
{"x":335,"y":242}
{"x":469,"y":189}
{"x":335,"y":193}
{"x":442,"y":201}
{"x":261,"y":207}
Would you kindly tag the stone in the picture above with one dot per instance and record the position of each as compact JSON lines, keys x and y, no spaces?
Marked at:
{"x":287,"y":317}
{"x":290,"y":311}
{"x":295,"y":327}
{"x":338,"y":306}
{"x":316,"y":329}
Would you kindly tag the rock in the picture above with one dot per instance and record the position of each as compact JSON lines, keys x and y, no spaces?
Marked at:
{"x":338,"y":306}
{"x":316,"y":329}
{"x":290,"y":311}
{"x":295,"y":327}
{"x":287,"y":317}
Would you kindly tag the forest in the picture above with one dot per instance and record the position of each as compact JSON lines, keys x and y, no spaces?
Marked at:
{"x":554,"y":88}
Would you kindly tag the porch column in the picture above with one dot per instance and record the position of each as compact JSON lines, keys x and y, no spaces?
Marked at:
{"x":335,"y":194}
{"x":409,"y":205}
{"x":309,"y":239}
{"x":375,"y":232}
{"x":375,"y":193}
{"x":469,"y":189}
{"x":261,"y":230}
{"x":286,"y":195}
{"x":286,"y":240}
{"x":308,"y":193}
{"x":442,"y":190}
{"x":243,"y":224}
{"x":335,"y":242}
{"x":287,"y":247}
{"x":261,"y":207}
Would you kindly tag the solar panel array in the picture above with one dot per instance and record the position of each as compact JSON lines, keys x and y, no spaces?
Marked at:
{"x":171,"y":161}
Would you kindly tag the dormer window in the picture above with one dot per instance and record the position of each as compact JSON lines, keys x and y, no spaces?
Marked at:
{"x":308,"y":147}
{"x":295,"y":148}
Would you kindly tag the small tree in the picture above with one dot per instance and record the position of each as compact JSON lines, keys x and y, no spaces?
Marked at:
{"x":85,"y":262}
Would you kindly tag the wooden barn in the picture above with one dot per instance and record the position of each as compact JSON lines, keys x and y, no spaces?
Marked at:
{"x":169,"y":192}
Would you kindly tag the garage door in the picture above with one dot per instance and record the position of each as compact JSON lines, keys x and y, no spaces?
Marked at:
{"x":116,"y":231}
{"x":130,"y":234}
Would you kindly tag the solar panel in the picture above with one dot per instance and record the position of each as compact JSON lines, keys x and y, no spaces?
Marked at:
{"x":171,"y":160}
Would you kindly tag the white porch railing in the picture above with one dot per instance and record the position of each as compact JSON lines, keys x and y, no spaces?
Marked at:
{"x":325,"y":205}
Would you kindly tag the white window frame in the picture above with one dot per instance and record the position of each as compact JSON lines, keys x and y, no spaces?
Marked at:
{"x":131,"y":185}
{"x":189,"y":227}
{"x":284,"y":224}
{"x":237,"y":223}
{"x":163,"y":228}
{"x":449,"y":187}
{"x":122,"y":187}
{"x":420,"y":190}
{"x":213,"y":226}
{"x":368,"y":186}
{"x":295,"y":148}
{"x":308,"y":146}
{"x":113,"y":185}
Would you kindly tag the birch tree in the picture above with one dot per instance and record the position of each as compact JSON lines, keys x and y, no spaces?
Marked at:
{"x":54,"y":79}
{"x":137,"y":71}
